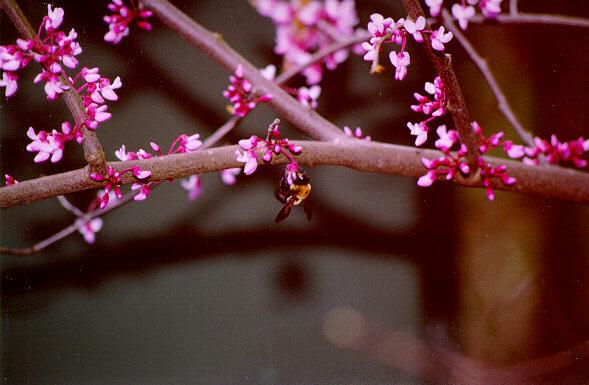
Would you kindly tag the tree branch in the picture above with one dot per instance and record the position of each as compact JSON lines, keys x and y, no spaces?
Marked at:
{"x":456,"y":104}
{"x":534,"y":18}
{"x":93,"y":152}
{"x":481,"y":63}
{"x":359,"y":155}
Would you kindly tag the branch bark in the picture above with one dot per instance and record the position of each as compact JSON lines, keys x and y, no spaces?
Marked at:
{"x":551,"y":181}
{"x":456,"y":104}
{"x":93,"y":152}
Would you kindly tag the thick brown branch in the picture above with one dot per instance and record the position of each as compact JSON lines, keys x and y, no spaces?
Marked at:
{"x":93,"y":151}
{"x":359,"y":155}
{"x":481,"y":63}
{"x":456,"y":104}
{"x":213,"y":46}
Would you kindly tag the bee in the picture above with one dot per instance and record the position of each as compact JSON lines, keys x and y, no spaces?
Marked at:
{"x":293,"y":194}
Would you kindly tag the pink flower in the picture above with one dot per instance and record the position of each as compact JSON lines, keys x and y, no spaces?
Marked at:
{"x":241,"y":94}
{"x":463,"y":13}
{"x":228,"y":175}
{"x":415,"y":28}
{"x":439,"y":38}
{"x":308,"y":96}
{"x":249,"y":158}
{"x":53,"y":86}
{"x":90,"y":228}
{"x":118,"y":22}
{"x":490,"y":8}
{"x":434,"y":7}
{"x":53,"y":19}
{"x":96,"y":114}
{"x":269,"y":72}
{"x":447,"y":138}
{"x":379,"y":26}
{"x":46,"y":145}
{"x":193,"y":185}
{"x":189,"y":143}
{"x":427,"y":179}
{"x":420,"y":131}
{"x":400,"y":61}
{"x":9,"y":81}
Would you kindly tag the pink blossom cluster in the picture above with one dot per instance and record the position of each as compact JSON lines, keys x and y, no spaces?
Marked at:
{"x":465,"y":10}
{"x":305,"y":27}
{"x":242,"y":95}
{"x":433,"y":108}
{"x":113,"y":180}
{"x":554,"y":151}
{"x":357,"y":133}
{"x":123,"y":15}
{"x":272,"y":145}
{"x":182,"y":144}
{"x":386,"y":30}
{"x":449,"y":164}
{"x":51,"y":52}
{"x":307,"y":96}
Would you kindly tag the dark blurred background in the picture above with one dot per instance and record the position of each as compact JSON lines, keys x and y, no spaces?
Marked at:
{"x":388,"y":284}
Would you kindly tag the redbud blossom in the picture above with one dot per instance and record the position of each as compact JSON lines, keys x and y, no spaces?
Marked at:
{"x":439,"y":38}
{"x":90,"y":228}
{"x":308,"y":96}
{"x":305,"y":27}
{"x":241,"y":94}
{"x":228,"y":176}
{"x":463,"y":13}
{"x":434,"y":7}
{"x":270,"y":146}
{"x":123,"y":15}
{"x":193,"y":185}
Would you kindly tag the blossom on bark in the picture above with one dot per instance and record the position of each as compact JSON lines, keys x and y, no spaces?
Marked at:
{"x":123,"y":15}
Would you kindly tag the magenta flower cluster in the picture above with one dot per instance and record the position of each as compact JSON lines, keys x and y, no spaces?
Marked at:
{"x":432,"y":108}
{"x":357,"y":133}
{"x":465,"y":10}
{"x":386,"y":30}
{"x":304,"y":27}
{"x":122,"y":16}
{"x":53,"y":52}
{"x":113,"y":180}
{"x":553,"y":150}
{"x":450,"y":164}
{"x":241,"y":94}
{"x":272,"y":145}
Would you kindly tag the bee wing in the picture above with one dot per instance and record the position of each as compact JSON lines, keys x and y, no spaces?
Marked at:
{"x":283,"y":213}
{"x":308,"y":207}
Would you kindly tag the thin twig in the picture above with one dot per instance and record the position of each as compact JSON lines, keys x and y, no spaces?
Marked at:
{"x":456,"y":104}
{"x":551,"y":181}
{"x":482,"y":65}
{"x":220,"y":132}
{"x":534,"y":18}
{"x":69,"y":206}
{"x":291,"y":72}
{"x":81,"y":221}
{"x":93,"y":152}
